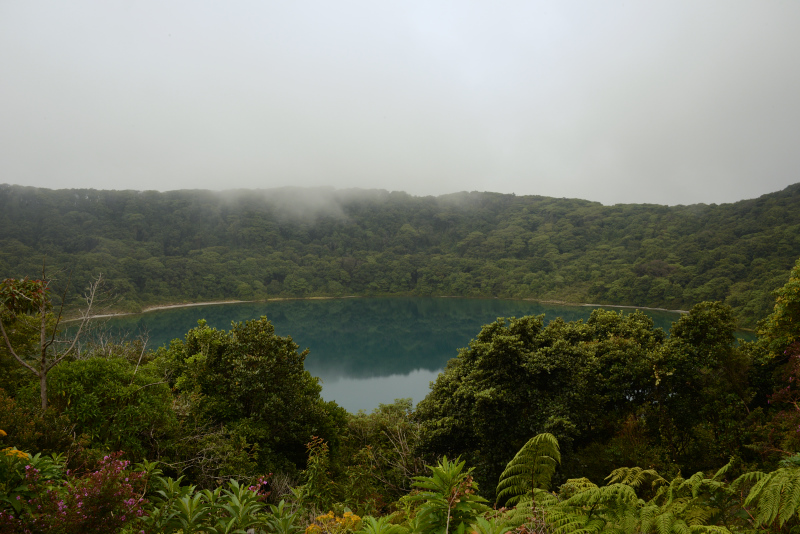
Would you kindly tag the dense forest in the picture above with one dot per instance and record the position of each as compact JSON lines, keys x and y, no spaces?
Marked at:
{"x":603,"y":425}
{"x":182,"y":246}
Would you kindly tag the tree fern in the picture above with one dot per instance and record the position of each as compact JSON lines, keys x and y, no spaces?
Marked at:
{"x":574,"y":486}
{"x":636,"y":477}
{"x":611,"y":496}
{"x":775,"y":497}
{"x":488,"y":526}
{"x":530,"y":511}
{"x":531,"y":468}
{"x":598,"y":509}
{"x":449,"y":498}
{"x":683,"y":506}
{"x":694,"y":505}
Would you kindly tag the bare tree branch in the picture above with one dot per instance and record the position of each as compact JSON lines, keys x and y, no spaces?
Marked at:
{"x":145,"y":337}
{"x":85,"y":316}
{"x":60,"y":308}
{"x":13,"y":353}
{"x":49,"y":354}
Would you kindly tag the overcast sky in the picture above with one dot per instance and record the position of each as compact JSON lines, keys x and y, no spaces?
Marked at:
{"x":671,"y":102}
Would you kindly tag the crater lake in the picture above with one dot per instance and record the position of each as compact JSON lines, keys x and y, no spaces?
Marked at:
{"x":366,"y":351}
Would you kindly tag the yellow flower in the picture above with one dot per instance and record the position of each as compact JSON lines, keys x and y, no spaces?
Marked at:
{"x":3,"y":432}
{"x":13,"y":451}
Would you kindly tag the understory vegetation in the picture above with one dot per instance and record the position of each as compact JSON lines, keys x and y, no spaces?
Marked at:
{"x":607,"y":425}
{"x":190,"y":246}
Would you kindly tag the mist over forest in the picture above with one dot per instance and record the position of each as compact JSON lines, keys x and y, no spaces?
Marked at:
{"x":193,"y":245}
{"x":606,"y":153}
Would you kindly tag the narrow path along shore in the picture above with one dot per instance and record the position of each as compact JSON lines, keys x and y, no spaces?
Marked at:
{"x":280,"y":299}
{"x":636,"y":307}
{"x":166,"y":307}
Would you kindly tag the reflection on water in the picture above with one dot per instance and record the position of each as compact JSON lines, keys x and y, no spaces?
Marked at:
{"x":355,"y":394}
{"x":367,"y":350}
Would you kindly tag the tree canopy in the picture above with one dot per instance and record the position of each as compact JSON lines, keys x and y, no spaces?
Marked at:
{"x":197,"y":245}
{"x":612,"y":390}
{"x":255,"y":383}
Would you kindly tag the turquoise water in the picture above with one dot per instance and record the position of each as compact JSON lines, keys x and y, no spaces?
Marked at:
{"x":366,"y":351}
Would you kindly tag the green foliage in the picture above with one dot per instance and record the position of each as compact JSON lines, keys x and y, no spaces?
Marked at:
{"x":254,"y":383}
{"x":197,"y":246}
{"x":15,"y":487}
{"x":701,"y":389}
{"x":23,"y":332}
{"x":360,"y":489}
{"x":177,"y":508}
{"x":488,"y":526}
{"x":613,"y":391}
{"x":23,"y":296}
{"x":380,"y":525}
{"x":531,"y":468}
{"x":28,"y":428}
{"x":637,"y":478}
{"x":577,"y":381}
{"x":782,"y":327}
{"x":382,"y":446}
{"x":449,"y":498}
{"x":754,"y":502}
{"x":774,"y":500}
{"x":282,"y":520}
{"x":318,"y":489}
{"x":114,"y":404}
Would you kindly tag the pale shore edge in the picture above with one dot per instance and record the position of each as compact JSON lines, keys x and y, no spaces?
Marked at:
{"x":281,"y":299}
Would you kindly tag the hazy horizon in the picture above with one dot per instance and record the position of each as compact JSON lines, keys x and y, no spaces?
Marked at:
{"x":354,"y":190}
{"x":664,"y":102}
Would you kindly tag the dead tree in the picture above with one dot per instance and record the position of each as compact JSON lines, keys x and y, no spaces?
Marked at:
{"x":30,"y":298}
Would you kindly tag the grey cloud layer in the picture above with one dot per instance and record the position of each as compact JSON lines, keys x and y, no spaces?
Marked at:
{"x":667,"y":102}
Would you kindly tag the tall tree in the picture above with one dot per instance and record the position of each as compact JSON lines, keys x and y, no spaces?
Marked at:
{"x":26,"y":301}
{"x":782,"y":327}
{"x":255,"y":383}
{"x":519,"y":377}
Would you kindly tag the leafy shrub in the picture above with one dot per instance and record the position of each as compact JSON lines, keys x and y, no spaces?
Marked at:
{"x":30,"y":428}
{"x":16,"y":467}
{"x":236,"y":508}
{"x":449,"y":498}
{"x":104,"y":500}
{"x":381,"y":525}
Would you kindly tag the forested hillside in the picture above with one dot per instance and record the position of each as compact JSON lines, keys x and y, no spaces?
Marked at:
{"x":198,"y":245}
{"x":607,"y":425}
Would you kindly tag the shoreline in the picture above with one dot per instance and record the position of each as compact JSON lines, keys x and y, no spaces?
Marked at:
{"x":208,"y":303}
{"x":281,"y":299}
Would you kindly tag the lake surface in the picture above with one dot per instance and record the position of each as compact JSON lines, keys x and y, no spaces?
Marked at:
{"x":366,"y":351}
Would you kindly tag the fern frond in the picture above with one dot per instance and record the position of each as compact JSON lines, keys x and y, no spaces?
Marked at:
{"x":635,"y":477}
{"x":531,"y":468}
{"x":708,"y":529}
{"x":700,"y":515}
{"x":775,"y":496}
{"x":614,"y":496}
{"x":567,"y":522}
{"x":722,"y":470}
{"x":575,"y":485}
{"x":541,"y":498}
{"x":664,"y":523}
{"x":747,"y":480}
{"x":672,"y":491}
{"x":694,"y":483}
